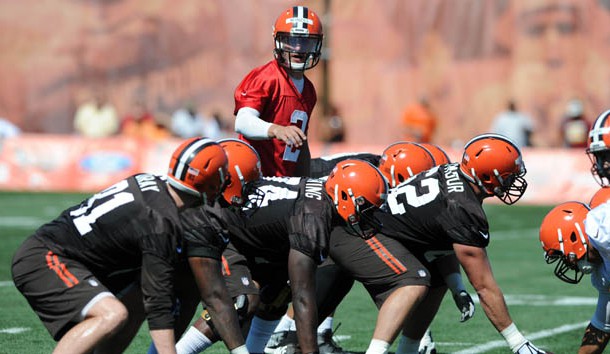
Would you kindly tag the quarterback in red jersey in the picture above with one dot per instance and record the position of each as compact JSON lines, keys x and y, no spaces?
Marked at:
{"x":274,"y":102}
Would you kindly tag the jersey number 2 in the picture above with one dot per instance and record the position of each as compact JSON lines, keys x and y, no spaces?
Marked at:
{"x":408,"y":193}
{"x":298,"y":118}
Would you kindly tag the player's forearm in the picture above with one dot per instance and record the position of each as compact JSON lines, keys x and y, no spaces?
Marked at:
{"x":248,"y":124}
{"x":305,"y":316}
{"x":492,"y":302}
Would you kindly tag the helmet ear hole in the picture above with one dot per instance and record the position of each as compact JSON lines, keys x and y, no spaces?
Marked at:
{"x":573,"y":237}
{"x":344,"y":195}
{"x":401,"y":178}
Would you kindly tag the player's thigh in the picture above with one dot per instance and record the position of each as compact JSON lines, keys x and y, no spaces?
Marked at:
{"x":237,"y":274}
{"x":380,"y":263}
{"x":60,"y":290}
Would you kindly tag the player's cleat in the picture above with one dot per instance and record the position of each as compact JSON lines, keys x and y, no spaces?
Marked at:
{"x":327,"y":343}
{"x":285,"y":342}
{"x":426,"y":345}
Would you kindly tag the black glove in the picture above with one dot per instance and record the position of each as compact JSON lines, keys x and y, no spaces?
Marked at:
{"x":464,"y":303}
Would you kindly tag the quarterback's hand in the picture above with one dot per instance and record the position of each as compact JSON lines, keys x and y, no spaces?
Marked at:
{"x":291,"y":135}
{"x":464,"y":303}
{"x":529,"y":348}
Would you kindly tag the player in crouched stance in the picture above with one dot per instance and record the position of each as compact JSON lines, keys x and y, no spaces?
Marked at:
{"x":452,"y":194}
{"x":92,"y":271}
{"x":281,"y":233}
{"x":576,"y":238}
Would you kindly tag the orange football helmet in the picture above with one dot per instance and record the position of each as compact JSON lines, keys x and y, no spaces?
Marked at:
{"x":600,"y":197}
{"x":440,"y":156}
{"x":357,"y":189}
{"x":403,"y":160}
{"x":298,"y":38}
{"x":199,"y":167}
{"x":244,"y":167}
{"x":563,"y":238}
{"x":494,"y":163}
{"x":599,"y":149}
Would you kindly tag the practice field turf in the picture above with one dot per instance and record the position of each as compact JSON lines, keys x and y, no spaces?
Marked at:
{"x":551,"y":313}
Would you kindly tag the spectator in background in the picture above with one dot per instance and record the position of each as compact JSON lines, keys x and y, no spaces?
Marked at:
{"x":574,"y":126}
{"x":140,"y":123}
{"x":187,"y":122}
{"x":418,"y":122}
{"x":514,"y":124}
{"x":96,"y":117}
{"x":8,"y":129}
{"x":226,"y":128}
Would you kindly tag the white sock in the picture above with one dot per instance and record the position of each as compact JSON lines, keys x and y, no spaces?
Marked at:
{"x":260,"y":331}
{"x":378,"y":346}
{"x":407,"y":345}
{"x":286,"y":324}
{"x":193,"y":342}
{"x":325,"y":325}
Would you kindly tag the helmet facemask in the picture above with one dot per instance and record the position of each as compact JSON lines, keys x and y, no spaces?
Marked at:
{"x":362,"y":221}
{"x":297,"y":52}
{"x":568,"y":268}
{"x":600,"y":166}
{"x":511,"y":188}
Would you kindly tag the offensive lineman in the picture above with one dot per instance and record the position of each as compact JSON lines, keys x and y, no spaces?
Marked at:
{"x":72,"y":269}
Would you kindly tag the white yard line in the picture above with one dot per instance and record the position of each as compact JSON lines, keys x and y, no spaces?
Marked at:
{"x":14,"y":330}
{"x":482,"y":348}
{"x":28,"y":222}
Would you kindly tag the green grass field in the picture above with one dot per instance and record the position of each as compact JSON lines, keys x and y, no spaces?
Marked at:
{"x":551,"y":313}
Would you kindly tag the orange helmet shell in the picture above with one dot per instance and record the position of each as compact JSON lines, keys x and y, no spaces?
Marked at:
{"x":495,"y":164}
{"x":298,"y":36}
{"x":600,"y":197}
{"x":563,"y":238}
{"x":403,"y":160}
{"x":352,"y":184}
{"x":440,"y":156}
{"x":563,"y":229}
{"x":199,"y":167}
{"x":244,"y":167}
{"x":298,"y":20}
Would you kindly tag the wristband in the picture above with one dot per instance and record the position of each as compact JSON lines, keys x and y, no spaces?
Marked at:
{"x":513,"y":337}
{"x":240,"y":350}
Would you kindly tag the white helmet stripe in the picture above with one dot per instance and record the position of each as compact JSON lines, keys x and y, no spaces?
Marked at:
{"x":598,"y":130}
{"x":187,"y":155}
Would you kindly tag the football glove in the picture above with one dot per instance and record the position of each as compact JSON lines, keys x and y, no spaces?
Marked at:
{"x":529,"y":348}
{"x":464,"y":303}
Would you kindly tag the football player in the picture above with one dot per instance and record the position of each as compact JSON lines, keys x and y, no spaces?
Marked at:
{"x":577,"y":239}
{"x":129,"y":239}
{"x":438,"y":212}
{"x":274,"y":102}
{"x":282,"y":234}
{"x":398,"y":162}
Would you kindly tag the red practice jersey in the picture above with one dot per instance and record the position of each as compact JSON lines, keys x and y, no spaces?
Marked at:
{"x":269,"y":90}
